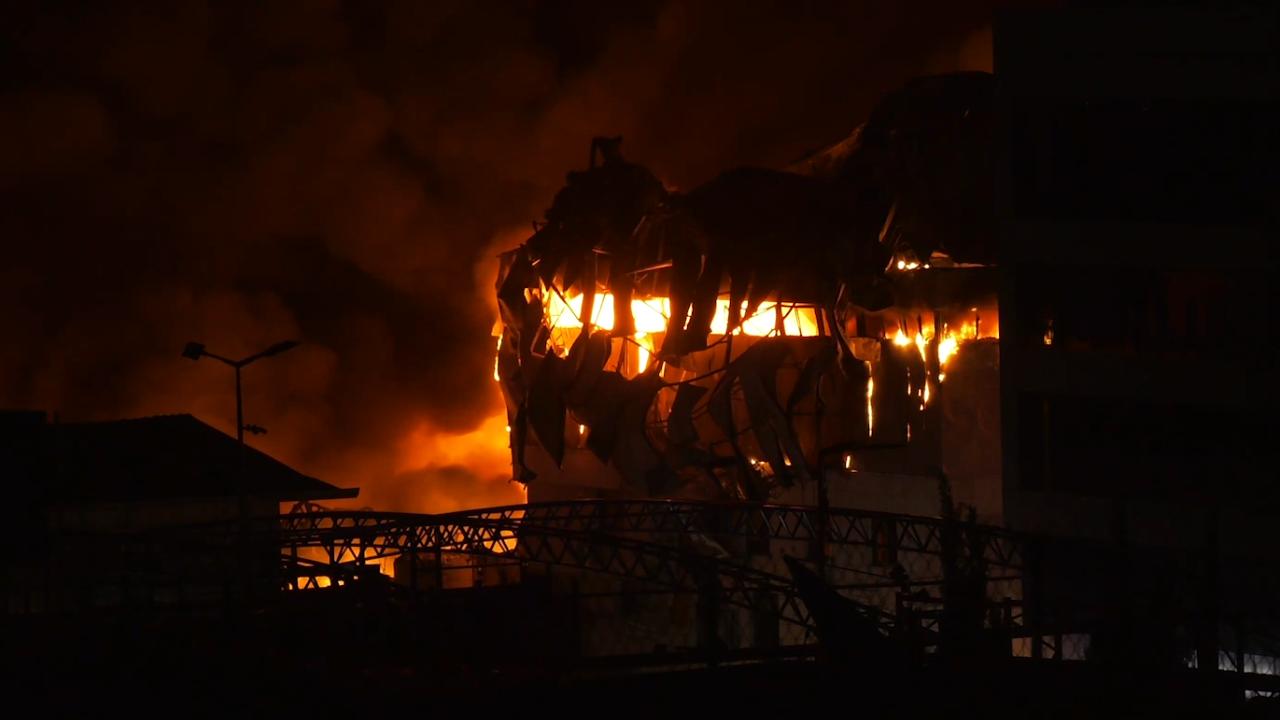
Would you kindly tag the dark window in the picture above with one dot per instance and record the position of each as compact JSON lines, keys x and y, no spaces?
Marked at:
{"x":1141,"y":309}
{"x":885,"y":553}
{"x":1034,"y":468}
{"x":1107,"y":446}
{"x":1202,"y":162}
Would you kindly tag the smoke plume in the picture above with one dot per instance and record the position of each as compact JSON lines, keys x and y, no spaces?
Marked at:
{"x":342,"y":173}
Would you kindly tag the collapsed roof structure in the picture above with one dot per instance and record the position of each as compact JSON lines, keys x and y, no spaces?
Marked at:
{"x":742,"y":339}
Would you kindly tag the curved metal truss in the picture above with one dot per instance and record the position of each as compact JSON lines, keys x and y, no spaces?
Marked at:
{"x":733,"y":551}
{"x":498,"y":529}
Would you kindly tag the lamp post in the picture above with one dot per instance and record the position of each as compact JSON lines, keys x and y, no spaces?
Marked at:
{"x":195,"y":351}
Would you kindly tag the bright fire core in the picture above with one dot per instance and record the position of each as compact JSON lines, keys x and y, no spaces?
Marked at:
{"x":652,"y":315}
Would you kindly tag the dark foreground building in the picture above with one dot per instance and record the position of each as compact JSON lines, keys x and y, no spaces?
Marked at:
{"x":85,"y":498}
{"x":1138,"y":366}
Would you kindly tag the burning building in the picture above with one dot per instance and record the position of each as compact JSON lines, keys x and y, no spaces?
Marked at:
{"x":757,"y":418}
{"x":830,"y":335}
{"x":824,"y":336}
{"x":821,"y":335}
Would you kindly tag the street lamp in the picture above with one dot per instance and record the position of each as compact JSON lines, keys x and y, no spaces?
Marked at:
{"x":195,"y":351}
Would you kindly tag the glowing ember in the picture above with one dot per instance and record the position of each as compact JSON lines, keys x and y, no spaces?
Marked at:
{"x":946,"y":348}
{"x":948,"y":344}
{"x":871,"y":389}
{"x":495,"y":360}
{"x":644,"y":350}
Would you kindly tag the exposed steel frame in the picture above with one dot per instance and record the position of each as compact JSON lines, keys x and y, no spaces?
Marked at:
{"x":670,"y":544}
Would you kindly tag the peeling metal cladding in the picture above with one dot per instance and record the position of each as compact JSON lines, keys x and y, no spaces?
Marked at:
{"x":592,"y":217}
{"x":691,"y":250}
{"x":715,"y":400}
{"x":923,"y":163}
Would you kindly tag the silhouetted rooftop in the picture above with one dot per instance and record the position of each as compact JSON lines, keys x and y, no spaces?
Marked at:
{"x":163,"y":457}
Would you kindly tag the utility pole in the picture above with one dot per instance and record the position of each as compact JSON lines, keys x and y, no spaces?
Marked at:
{"x":195,"y":351}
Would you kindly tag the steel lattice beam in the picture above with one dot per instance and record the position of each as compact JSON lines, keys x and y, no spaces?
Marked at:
{"x":777,"y":522}
{"x":626,"y":539}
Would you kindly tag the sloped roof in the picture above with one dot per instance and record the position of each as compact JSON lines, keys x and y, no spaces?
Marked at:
{"x":166,"y":457}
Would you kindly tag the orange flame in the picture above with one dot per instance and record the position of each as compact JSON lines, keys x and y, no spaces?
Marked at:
{"x":652,"y":315}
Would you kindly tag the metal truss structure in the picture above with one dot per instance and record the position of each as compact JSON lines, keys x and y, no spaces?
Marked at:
{"x":660,"y":580}
{"x":733,"y":552}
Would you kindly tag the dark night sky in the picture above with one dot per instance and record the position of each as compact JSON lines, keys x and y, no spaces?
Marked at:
{"x":243,"y":172}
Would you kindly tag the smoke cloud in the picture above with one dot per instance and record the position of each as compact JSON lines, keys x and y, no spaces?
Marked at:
{"x":239,"y":173}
